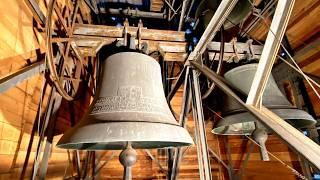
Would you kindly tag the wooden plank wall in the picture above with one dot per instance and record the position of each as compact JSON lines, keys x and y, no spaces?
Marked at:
{"x":303,"y":34}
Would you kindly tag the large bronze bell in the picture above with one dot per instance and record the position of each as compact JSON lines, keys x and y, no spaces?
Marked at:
{"x":129,"y":108}
{"x":207,"y":8}
{"x":237,"y":121}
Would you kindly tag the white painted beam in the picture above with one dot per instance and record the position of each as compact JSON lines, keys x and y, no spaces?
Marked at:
{"x":270,"y":50}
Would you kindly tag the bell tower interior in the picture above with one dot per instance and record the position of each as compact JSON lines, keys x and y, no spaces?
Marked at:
{"x":160,"y":89}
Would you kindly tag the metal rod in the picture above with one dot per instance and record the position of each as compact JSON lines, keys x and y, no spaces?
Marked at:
{"x":36,"y":11}
{"x":127,"y":175}
{"x":50,"y":134}
{"x":245,"y":162}
{"x":229,"y":158}
{"x":42,"y":132}
{"x":218,"y":158}
{"x":214,"y":25}
{"x":186,"y":99}
{"x":155,"y":160}
{"x":177,"y":85}
{"x":270,"y":51}
{"x":203,"y":156}
{"x":254,"y":22}
{"x":22,"y":74}
{"x":98,"y":168}
{"x":134,"y":13}
{"x":190,"y":8}
{"x":293,"y":137}
{"x":183,"y":11}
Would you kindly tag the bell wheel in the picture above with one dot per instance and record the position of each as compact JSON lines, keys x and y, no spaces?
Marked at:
{"x":64,"y":61}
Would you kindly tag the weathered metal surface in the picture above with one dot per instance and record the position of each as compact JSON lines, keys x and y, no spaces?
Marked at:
{"x":185,"y":107}
{"x":238,"y":121}
{"x":60,"y":63}
{"x":15,"y":78}
{"x":133,"y":109}
{"x":294,"y":138}
{"x":207,"y":8}
{"x":134,"y":13}
{"x":200,"y":129}
{"x":215,"y":24}
{"x":36,"y":11}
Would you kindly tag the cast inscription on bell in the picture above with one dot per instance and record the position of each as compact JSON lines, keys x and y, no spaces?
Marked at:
{"x":128,"y":98}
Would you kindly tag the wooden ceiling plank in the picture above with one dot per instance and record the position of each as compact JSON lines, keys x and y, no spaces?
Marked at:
{"x":301,"y":9}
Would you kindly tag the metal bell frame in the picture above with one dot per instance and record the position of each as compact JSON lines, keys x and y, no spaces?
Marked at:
{"x":286,"y":132}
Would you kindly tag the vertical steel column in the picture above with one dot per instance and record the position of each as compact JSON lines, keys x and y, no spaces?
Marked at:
{"x":43,"y":129}
{"x":50,"y":135}
{"x":214,"y":25}
{"x":183,"y":11}
{"x":200,"y":130}
{"x":186,"y":99}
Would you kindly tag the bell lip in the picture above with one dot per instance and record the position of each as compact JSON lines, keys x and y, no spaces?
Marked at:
{"x":223,"y":127}
{"x":150,"y":136}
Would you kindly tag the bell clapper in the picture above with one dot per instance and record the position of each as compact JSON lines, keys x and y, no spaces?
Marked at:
{"x":128,"y":157}
{"x":261,"y":136}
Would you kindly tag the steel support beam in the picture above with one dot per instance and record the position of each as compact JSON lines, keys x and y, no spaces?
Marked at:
{"x":134,"y":13}
{"x":229,"y":158}
{"x":214,"y":25}
{"x":293,"y":137}
{"x":186,"y":99}
{"x":36,"y":11}
{"x":177,"y":85}
{"x":267,"y":10}
{"x":270,"y":51}
{"x":183,"y":11}
{"x":245,"y":162}
{"x":100,"y":166}
{"x":200,"y":130}
{"x":22,"y":74}
{"x":50,"y":134}
{"x":147,"y":151}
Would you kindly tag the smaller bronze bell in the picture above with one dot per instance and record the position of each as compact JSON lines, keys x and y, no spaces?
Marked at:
{"x":207,"y":8}
{"x":237,"y":121}
{"x":130,"y":107}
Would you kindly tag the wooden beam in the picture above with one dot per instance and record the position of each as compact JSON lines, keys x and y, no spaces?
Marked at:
{"x":241,"y":47}
{"x":117,"y":32}
{"x":169,"y":56}
{"x":307,"y":51}
{"x":270,"y":50}
{"x":229,"y":57}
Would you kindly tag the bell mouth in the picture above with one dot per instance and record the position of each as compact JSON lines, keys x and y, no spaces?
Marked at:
{"x":243,"y":123}
{"x":115,"y":135}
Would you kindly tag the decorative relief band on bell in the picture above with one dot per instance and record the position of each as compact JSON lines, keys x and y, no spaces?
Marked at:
{"x":128,"y":98}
